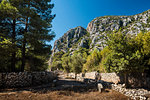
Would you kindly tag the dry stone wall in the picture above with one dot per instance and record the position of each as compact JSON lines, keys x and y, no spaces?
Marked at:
{"x":134,"y":94}
{"x":90,"y":75}
{"x":135,"y":80}
{"x":112,"y":77}
{"x":24,"y":79}
{"x":71,"y":75}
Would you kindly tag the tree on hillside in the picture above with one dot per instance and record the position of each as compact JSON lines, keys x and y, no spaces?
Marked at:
{"x":92,"y":61}
{"x":129,"y":54}
{"x":83,"y":51}
{"x":66,"y":61}
{"x":27,"y":23}
{"x":125,"y":53}
{"x":142,"y":41}
{"x":77,"y":62}
{"x":57,"y":61}
{"x":105,"y":54}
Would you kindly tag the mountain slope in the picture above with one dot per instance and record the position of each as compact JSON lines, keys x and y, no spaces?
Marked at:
{"x":93,"y":36}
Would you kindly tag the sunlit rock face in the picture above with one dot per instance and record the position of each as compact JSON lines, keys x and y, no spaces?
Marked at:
{"x":100,"y":26}
{"x":69,"y":39}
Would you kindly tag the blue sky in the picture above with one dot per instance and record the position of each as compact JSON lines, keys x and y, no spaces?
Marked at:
{"x":73,"y":13}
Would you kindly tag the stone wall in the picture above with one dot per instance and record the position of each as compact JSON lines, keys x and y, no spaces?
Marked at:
{"x":134,"y":94}
{"x":90,"y":75}
{"x":71,"y":75}
{"x":24,"y":79}
{"x":135,"y":80}
{"x":111,"y":77}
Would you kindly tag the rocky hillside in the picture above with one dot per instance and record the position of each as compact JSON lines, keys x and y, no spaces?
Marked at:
{"x":92,"y":37}
{"x":71,"y":40}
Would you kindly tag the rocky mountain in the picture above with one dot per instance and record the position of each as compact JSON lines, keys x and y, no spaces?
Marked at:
{"x":71,"y":39}
{"x":93,"y":36}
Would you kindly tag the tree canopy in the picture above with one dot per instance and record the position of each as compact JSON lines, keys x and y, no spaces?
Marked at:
{"x":127,"y":53}
{"x":27,"y":25}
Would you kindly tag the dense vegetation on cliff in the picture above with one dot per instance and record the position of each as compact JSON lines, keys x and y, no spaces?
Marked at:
{"x":24,"y":31}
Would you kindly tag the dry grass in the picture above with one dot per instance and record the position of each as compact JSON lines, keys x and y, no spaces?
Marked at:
{"x":63,"y":95}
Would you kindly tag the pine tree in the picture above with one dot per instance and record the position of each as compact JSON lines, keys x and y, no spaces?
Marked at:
{"x":8,"y":28}
{"x":30,"y":22}
{"x":76,"y":63}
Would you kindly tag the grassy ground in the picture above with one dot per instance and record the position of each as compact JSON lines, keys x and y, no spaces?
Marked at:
{"x":62,"y":95}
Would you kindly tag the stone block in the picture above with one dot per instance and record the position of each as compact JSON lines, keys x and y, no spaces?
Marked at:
{"x":100,"y":87}
{"x":110,"y":77}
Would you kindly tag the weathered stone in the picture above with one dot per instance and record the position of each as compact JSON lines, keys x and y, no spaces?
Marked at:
{"x":135,"y":94}
{"x":83,"y":43}
{"x":100,"y":87}
{"x":110,"y":77}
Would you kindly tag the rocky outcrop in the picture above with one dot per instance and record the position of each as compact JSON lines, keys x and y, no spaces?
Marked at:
{"x":72,"y":40}
{"x":69,"y":39}
{"x":97,"y":29}
{"x":100,"y":26}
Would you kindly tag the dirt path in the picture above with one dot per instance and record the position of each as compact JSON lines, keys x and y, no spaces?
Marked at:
{"x":64,"y":89}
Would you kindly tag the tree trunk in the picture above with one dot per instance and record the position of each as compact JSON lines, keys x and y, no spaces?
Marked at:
{"x":13,"y":59}
{"x":23,"y":54}
{"x":24,"y":46}
{"x":126,"y":80}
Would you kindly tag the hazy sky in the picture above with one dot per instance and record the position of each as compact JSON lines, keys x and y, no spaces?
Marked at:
{"x":73,"y":13}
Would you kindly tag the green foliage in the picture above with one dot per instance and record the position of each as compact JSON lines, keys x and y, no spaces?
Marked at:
{"x":105,"y":54}
{"x":83,"y":52}
{"x":57,"y":56}
{"x":27,"y":25}
{"x":93,"y":61}
{"x":7,"y":9}
{"x":77,"y":62}
{"x":57,"y":60}
{"x":70,"y":63}
{"x":66,"y":61}
{"x":5,"y":52}
{"x":126,"y":53}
